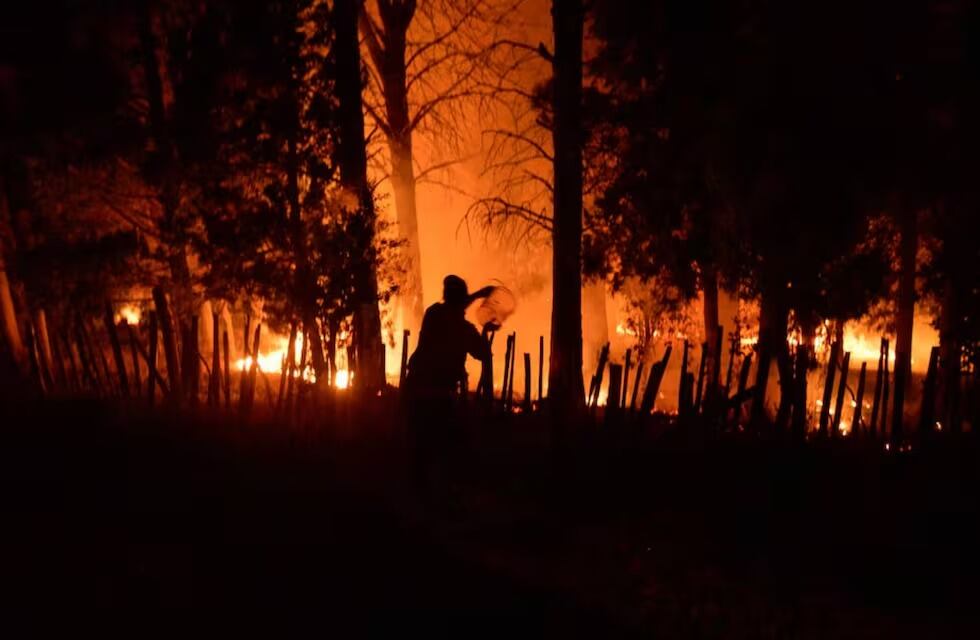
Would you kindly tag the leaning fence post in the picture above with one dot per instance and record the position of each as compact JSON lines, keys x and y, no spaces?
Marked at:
{"x":636,"y":385}
{"x":151,"y":361}
{"x":540,"y":368}
{"x":856,"y":421}
{"x":885,"y":387}
{"x":110,"y":326}
{"x":927,"y":413}
{"x":839,"y":406}
{"x":214,"y":382}
{"x":873,"y":421}
{"x":527,"y":382}
{"x":513,"y":367}
{"x":134,"y":354}
{"x":653,"y":383}
{"x":828,"y":389}
{"x":615,"y":391}
{"x":169,"y":342}
{"x":403,"y":369}
{"x":702,"y":365}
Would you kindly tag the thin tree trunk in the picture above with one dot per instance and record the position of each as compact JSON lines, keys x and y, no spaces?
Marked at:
{"x":905,"y":319}
{"x":565,"y":388}
{"x":387,"y":48}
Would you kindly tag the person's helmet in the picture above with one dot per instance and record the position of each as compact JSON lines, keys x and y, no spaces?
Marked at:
{"x":454,"y":290}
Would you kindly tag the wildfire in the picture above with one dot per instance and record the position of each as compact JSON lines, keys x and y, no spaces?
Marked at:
{"x":271,"y":361}
{"x":342,"y":379}
{"x":130,"y":313}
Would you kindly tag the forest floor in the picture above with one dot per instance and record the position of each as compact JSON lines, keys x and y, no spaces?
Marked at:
{"x":138,"y":524}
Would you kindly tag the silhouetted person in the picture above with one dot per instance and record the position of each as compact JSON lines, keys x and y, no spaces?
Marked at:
{"x":434,"y":374}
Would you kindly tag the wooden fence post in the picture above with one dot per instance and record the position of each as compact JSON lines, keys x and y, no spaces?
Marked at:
{"x":902,"y":370}
{"x":214,"y":381}
{"x":403,"y":369}
{"x":839,"y":406}
{"x":151,"y":361}
{"x":699,"y":392}
{"x":227,"y":377}
{"x":110,"y":326}
{"x":600,"y":371}
{"x":33,"y":356}
{"x":636,"y":385}
{"x":798,"y":427}
{"x":513,"y":369}
{"x":527,"y":382}
{"x":856,"y":421}
{"x":540,"y":368}
{"x":626,"y":378}
{"x":44,"y":348}
{"x":134,"y":356}
{"x":243,"y":379}
{"x":169,"y":342}
{"x":828,"y":389}
{"x":653,"y":383}
{"x":684,"y":402}
{"x":615,"y":392}
{"x":927,"y":412}
{"x":882,"y":360}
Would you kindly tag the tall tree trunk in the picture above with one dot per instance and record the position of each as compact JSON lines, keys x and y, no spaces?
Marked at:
{"x":181,"y":293}
{"x":565,"y":388}
{"x":387,"y":50}
{"x":403,"y":181}
{"x":906,"y":308}
{"x":305,"y":285}
{"x":352,"y":159}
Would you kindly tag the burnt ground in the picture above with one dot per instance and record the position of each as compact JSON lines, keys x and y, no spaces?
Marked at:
{"x":136,"y":524}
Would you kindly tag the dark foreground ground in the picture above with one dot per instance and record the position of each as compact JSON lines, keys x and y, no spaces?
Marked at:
{"x":137,"y":525}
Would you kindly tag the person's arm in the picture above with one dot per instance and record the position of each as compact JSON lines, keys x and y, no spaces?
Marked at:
{"x":479,"y":293}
